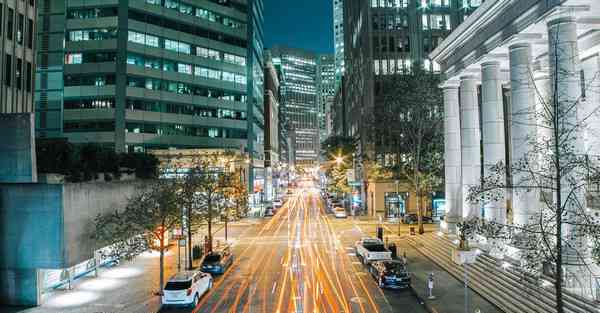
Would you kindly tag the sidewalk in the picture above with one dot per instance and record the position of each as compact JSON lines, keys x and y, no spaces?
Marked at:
{"x":449,"y":292}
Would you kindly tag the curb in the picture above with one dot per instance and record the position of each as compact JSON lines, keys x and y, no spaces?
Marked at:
{"x":424,"y":303}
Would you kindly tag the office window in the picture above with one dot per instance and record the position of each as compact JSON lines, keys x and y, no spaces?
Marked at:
{"x":184,"y":68}
{"x":152,"y":41}
{"x":171,"y":45}
{"x":20,"y":24}
{"x":8,"y":70}
{"x":30,"y":32}
{"x":73,"y":58}
{"x":19,"y":73}
{"x":29,"y":77}
{"x":9,"y":24}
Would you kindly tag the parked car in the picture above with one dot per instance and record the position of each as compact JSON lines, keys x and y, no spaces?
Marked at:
{"x":371,"y":249}
{"x":390,"y":274}
{"x":277,"y":203}
{"x":269,"y":211}
{"x":413,"y":219}
{"x":186,"y":288}
{"x":340,"y":212}
{"x":217,"y":262}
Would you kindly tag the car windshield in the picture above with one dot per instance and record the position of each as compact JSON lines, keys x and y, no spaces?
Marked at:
{"x":395,"y":266}
{"x":212,"y":258}
{"x":178,"y":285}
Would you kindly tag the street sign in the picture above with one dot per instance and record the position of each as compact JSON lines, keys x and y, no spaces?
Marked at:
{"x":182,"y":243}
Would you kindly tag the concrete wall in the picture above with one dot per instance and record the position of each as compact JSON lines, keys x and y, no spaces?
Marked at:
{"x":48,"y":226}
{"x":82,"y":203}
{"x":17,"y":148}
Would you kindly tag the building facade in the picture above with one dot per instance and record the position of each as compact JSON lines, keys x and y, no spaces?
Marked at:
{"x":271,"y":98}
{"x":501,"y":69}
{"x":152,"y":74}
{"x":325,"y":93}
{"x":17,"y":37}
{"x":338,"y":37}
{"x":299,"y":102}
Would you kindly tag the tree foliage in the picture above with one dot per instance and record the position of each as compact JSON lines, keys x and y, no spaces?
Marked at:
{"x":408,"y":125}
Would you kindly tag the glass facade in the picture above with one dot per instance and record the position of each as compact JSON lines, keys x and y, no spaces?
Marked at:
{"x":99,"y":83}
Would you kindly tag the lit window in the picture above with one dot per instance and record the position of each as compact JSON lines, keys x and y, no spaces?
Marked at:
{"x":73,"y":58}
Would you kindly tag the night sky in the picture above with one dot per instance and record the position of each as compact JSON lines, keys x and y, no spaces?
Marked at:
{"x":306,"y":24}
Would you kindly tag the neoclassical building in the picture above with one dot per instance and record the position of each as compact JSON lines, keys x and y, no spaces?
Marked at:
{"x":498,"y":66}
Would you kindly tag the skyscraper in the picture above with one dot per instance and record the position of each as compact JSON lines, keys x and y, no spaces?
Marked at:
{"x":325,"y":93}
{"x":338,"y":35}
{"x":299,"y":102}
{"x":135,"y":75}
{"x":384,"y":38}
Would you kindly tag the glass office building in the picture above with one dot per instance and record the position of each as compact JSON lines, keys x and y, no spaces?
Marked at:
{"x":299,"y":103}
{"x":151,"y":74}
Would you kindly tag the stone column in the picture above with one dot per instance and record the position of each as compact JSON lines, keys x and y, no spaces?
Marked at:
{"x":523,"y":131}
{"x":565,"y":82}
{"x":494,"y":148}
{"x":591,"y":70}
{"x":470,"y":142}
{"x":452,"y":156}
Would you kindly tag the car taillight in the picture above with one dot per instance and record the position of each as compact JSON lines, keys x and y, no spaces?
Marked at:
{"x":189,"y":291}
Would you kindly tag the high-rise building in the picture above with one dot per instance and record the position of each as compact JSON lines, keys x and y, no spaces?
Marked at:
{"x":152,"y":74}
{"x":299,"y":102}
{"x":325,"y":93}
{"x":17,"y":63}
{"x":338,"y":37}
{"x":383,"y":38}
{"x":271,"y":128}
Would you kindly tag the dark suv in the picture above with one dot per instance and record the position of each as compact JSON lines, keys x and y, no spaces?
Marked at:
{"x":390,"y":274}
{"x":217,"y":262}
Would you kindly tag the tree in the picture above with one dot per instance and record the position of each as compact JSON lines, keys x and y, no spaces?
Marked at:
{"x":412,"y":113}
{"x":149,"y":214}
{"x":338,"y":151}
{"x":557,"y":171}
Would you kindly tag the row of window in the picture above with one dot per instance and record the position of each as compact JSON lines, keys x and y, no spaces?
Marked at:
{"x":92,"y":34}
{"x":22,"y":71}
{"x":185,"y":68}
{"x":89,"y":80}
{"x":184,"y":130}
{"x":183,"y":88}
{"x":89,"y":57}
{"x":91,"y":13}
{"x":188,"y":9}
{"x":161,"y":21}
{"x":399,"y":66}
{"x":424,"y":4}
{"x":158,"y":129}
{"x":186,"y":109}
{"x":185,"y":48}
{"x":16,"y":29}
{"x":154,"y":106}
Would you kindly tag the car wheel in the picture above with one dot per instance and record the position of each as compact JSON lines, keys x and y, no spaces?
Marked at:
{"x":196,"y":300}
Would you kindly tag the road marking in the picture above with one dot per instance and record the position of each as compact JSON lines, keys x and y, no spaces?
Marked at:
{"x":274,"y":287}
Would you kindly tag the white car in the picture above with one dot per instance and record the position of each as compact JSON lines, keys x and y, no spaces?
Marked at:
{"x":340,"y":212}
{"x":277,"y":203}
{"x":186,"y":288}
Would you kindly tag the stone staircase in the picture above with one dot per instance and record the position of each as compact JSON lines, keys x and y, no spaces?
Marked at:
{"x":506,"y":288}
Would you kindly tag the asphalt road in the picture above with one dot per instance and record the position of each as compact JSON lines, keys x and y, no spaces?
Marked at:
{"x":300,"y":261}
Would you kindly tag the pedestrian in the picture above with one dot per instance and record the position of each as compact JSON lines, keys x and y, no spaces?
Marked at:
{"x":430,"y":286}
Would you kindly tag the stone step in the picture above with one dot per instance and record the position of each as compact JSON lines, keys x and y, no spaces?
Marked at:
{"x":522,"y":292}
{"x":572,"y":302}
{"x":481,"y":284}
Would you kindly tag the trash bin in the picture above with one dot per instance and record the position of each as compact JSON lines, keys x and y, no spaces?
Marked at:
{"x":380,"y":233}
{"x":412,"y":231}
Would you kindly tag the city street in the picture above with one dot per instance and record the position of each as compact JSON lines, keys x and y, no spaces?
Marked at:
{"x":301,"y":260}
